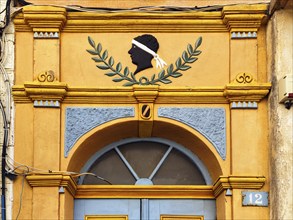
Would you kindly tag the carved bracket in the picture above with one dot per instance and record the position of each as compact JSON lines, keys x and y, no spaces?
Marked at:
{"x":146,"y":96}
{"x":245,"y":92}
{"x":45,"y":91}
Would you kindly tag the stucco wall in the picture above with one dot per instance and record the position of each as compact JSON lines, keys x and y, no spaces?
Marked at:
{"x":279,"y":55}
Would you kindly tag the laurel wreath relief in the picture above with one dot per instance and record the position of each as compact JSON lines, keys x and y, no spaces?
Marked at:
{"x":104,"y":62}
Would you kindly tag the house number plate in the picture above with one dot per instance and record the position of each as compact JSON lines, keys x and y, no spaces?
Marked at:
{"x":250,"y":198}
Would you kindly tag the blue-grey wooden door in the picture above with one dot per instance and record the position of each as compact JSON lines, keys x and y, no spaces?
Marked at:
{"x":107,"y":207}
{"x":145,"y":209}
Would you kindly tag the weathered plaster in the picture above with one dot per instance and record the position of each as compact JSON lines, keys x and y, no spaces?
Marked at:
{"x":280,"y":44}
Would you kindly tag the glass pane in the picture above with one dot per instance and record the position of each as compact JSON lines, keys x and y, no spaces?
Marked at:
{"x":178,"y":169}
{"x":143,"y":156}
{"x":110,"y":167}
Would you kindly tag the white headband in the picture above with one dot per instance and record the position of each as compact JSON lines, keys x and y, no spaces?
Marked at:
{"x":159,"y":62}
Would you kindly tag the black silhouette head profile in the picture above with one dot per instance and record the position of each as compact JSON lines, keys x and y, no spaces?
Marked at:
{"x":142,"y":51}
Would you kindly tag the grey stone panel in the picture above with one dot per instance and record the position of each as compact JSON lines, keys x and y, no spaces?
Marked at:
{"x":210,"y":122}
{"x":79,"y":121}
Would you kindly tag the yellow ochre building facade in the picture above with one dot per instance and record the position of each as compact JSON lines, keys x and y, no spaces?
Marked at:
{"x":188,"y":141}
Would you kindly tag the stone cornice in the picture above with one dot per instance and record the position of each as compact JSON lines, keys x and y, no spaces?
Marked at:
{"x":50,"y":19}
{"x":44,"y":18}
{"x":53,"y":180}
{"x":32,"y":91}
{"x":244,"y":18}
{"x":238,"y":182}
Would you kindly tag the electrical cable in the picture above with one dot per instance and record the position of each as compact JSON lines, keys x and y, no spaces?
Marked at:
{"x":92,"y":174}
{"x":33,"y":170}
{"x":2,"y":11}
{"x":154,"y":9}
{"x":20,"y":197}
{"x":7,"y":15}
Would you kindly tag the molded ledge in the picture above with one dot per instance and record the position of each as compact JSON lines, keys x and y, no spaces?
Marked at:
{"x":159,"y":191}
{"x":231,"y":18}
{"x":45,"y":18}
{"x":244,"y":17}
{"x":32,"y":91}
{"x":245,"y":88}
{"x":53,"y":180}
{"x":238,"y":182}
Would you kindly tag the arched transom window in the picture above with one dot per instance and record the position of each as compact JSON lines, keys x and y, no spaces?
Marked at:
{"x":151,"y":161}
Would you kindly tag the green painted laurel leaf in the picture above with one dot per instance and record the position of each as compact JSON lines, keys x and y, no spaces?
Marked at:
{"x":170,"y":69}
{"x":110,"y":74}
{"x":189,"y":49}
{"x":185,"y":56}
{"x":105,"y":55}
{"x":185,"y":67}
{"x":92,"y":52}
{"x":197,"y":52}
{"x":118,"y":67}
{"x":165,"y":81}
{"x":178,"y":62}
{"x":118,"y":79}
{"x":96,"y":59}
{"x":99,"y":48}
{"x":176,"y":75}
{"x":192,"y":59}
{"x":111,"y":61}
{"x":103,"y":67}
{"x":198,"y":42}
{"x":91,"y":42}
{"x":126,"y":71}
{"x":161,"y":74}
